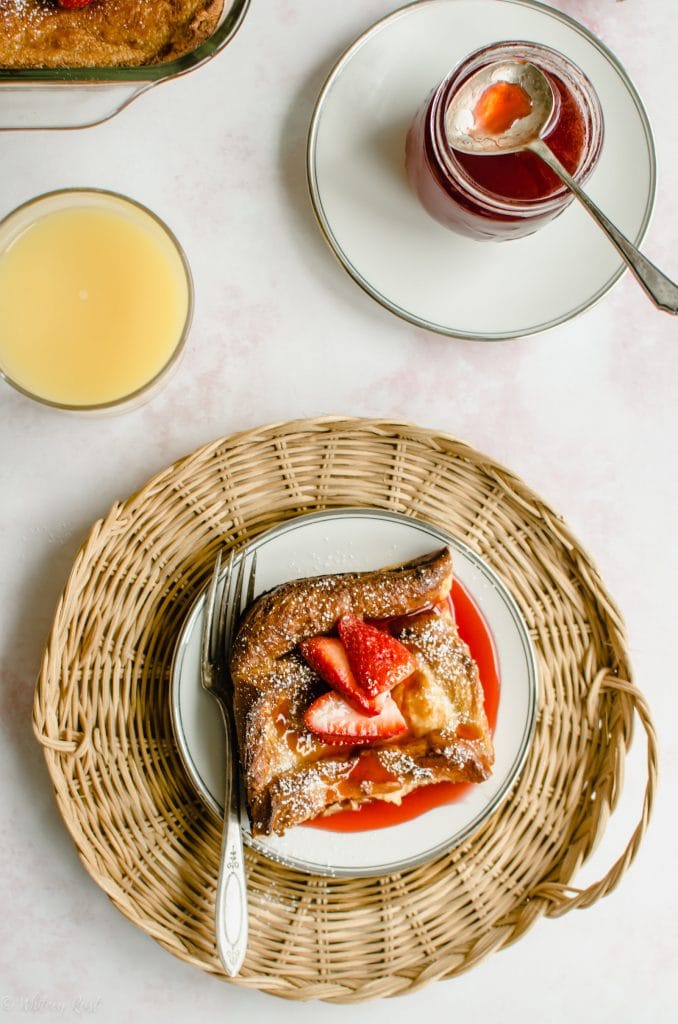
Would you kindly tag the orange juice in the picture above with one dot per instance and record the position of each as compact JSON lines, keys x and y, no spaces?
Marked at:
{"x":95,"y":298}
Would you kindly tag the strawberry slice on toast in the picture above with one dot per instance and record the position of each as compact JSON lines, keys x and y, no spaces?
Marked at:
{"x":334,"y":721}
{"x":379,"y":661}
{"x":326,"y":654}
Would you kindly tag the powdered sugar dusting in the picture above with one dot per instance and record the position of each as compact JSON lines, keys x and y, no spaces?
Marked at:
{"x":402,"y":765}
{"x":32,"y":11}
{"x":436,"y":638}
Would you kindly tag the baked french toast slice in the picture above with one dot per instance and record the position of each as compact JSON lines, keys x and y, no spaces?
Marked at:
{"x":294,"y":772}
{"x":109,"y":33}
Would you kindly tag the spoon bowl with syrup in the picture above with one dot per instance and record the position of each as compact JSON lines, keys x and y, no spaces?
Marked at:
{"x":507,"y":107}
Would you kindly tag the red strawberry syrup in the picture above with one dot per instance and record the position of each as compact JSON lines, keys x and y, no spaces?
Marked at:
{"x":474,"y":630}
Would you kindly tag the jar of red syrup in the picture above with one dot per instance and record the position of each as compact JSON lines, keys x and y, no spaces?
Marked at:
{"x":509,"y":195}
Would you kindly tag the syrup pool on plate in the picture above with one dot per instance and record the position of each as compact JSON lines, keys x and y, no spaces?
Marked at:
{"x":96,"y":299}
{"x":475,"y":631}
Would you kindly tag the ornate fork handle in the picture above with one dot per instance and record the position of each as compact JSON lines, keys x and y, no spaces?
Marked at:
{"x":217,"y":636}
{"x":231,"y":899}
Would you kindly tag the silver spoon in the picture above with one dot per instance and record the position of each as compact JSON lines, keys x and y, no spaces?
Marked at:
{"x":525,"y":133}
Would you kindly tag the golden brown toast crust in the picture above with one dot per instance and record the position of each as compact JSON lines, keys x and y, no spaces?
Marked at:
{"x":107,"y":33}
{"x":292,"y":776}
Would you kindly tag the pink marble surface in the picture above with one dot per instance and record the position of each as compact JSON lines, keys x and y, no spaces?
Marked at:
{"x":586,"y":414}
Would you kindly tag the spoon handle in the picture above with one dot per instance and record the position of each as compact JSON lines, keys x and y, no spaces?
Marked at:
{"x":662,"y":291}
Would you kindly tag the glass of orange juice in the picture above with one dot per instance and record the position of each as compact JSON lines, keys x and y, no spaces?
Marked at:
{"x":96,"y":299}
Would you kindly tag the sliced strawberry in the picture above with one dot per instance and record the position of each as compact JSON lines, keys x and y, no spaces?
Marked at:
{"x":327,"y":656}
{"x":378,"y":660}
{"x":334,"y":720}
{"x":71,"y":4}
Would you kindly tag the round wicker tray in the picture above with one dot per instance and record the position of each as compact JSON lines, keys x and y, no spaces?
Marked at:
{"x":102,"y":715}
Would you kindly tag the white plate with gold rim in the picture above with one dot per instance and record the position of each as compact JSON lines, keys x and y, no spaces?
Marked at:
{"x":347,"y":540}
{"x":394,"y":250}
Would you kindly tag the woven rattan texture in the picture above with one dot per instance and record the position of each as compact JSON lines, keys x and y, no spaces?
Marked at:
{"x":102,"y":715}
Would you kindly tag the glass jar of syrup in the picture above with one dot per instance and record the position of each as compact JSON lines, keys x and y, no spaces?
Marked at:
{"x":509,"y":195}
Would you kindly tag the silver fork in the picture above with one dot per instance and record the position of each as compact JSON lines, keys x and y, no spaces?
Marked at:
{"x":217,"y":636}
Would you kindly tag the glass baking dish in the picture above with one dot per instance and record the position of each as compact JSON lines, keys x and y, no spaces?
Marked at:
{"x":79,"y":97}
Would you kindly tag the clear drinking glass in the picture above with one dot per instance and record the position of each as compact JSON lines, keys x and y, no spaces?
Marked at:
{"x":97,"y":299}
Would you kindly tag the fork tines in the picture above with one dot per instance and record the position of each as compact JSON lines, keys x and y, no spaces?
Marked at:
{"x":218,"y":630}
